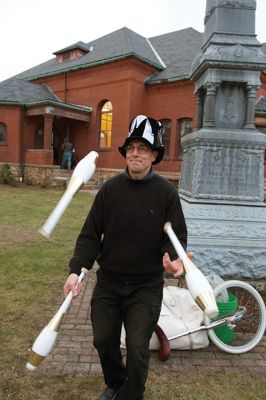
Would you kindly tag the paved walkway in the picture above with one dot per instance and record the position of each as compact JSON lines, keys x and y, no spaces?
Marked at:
{"x":74,"y":351}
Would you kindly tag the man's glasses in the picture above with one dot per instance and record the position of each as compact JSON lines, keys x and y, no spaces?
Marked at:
{"x":141,"y":149}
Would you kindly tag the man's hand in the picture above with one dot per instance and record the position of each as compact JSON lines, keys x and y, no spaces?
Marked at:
{"x":174,"y":267}
{"x":71,"y":284}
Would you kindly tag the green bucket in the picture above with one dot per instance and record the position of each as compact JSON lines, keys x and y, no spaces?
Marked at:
{"x":225,"y":333}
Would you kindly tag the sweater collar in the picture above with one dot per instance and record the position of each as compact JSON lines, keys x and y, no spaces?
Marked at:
{"x":146,"y":178}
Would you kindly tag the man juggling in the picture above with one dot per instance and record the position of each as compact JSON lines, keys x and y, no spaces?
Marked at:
{"x":124,"y":232}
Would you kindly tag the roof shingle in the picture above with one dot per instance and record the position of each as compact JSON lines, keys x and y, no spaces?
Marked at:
{"x":20,"y":91}
{"x":177,"y":51}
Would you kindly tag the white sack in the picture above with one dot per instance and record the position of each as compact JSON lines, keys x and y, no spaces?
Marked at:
{"x":179,"y":314}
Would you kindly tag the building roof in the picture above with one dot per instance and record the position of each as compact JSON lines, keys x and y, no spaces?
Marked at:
{"x":177,"y":50}
{"x":260,"y":106}
{"x":114,"y":46}
{"x":171,"y":54}
{"x":20,"y":91}
{"x":78,"y":45}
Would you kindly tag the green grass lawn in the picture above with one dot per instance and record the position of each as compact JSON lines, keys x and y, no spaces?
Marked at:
{"x":33,"y":270}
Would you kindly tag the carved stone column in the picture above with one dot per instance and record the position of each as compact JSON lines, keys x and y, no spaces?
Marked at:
{"x":250,"y":110}
{"x":209,"y":109}
{"x":199,"y":109}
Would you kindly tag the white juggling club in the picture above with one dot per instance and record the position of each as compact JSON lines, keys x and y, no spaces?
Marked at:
{"x":47,"y":337}
{"x":81,"y":175}
{"x":198,"y":285}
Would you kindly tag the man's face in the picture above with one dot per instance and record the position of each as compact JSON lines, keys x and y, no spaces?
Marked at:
{"x":140,"y":157}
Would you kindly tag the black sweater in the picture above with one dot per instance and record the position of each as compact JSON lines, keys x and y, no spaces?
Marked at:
{"x":124,"y":228}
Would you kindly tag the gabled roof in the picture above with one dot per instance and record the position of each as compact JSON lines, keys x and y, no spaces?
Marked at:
{"x":178,"y":50}
{"x":114,"y":46}
{"x":19,"y":91}
{"x":78,"y":45}
{"x":171,"y":54}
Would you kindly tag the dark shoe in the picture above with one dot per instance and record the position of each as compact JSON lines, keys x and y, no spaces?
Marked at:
{"x":108,"y":394}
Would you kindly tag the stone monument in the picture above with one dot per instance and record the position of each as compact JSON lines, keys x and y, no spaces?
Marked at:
{"x":222,"y":177}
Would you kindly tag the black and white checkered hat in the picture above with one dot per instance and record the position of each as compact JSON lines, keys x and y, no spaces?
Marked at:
{"x":148,"y":130}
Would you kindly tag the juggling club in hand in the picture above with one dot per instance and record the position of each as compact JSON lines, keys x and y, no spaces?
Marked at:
{"x":198,"y":285}
{"x":47,"y":337}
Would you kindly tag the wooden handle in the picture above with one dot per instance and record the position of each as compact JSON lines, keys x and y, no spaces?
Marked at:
{"x":164,"y":351}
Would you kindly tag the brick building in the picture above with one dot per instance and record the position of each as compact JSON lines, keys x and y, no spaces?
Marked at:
{"x":89,"y":93}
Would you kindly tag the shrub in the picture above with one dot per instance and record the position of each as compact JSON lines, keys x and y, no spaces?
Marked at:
{"x":6,"y":175}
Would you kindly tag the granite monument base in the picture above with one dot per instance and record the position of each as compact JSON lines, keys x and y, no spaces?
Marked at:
{"x":227,"y":239}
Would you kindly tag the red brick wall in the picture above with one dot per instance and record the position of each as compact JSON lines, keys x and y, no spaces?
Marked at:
{"x":11,"y":117}
{"x":20,"y":133}
{"x":39,"y":157}
{"x":122,"y":83}
{"x":171,"y":101}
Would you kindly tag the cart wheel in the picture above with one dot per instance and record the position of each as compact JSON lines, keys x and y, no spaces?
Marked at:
{"x":249,"y":330}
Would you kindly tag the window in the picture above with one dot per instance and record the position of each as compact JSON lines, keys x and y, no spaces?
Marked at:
{"x":66,"y":56}
{"x":106,"y":118}
{"x":184,"y":127}
{"x":38,"y":139}
{"x":3,"y":133}
{"x":166,"y":126}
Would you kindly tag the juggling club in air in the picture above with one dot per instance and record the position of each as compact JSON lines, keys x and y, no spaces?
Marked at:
{"x":81,"y":175}
{"x":47,"y":337}
{"x":198,"y":285}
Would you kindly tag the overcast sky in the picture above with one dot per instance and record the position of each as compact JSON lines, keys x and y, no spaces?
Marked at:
{"x":31,"y":30}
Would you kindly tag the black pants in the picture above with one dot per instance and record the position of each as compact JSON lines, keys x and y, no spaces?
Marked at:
{"x":138,"y":306}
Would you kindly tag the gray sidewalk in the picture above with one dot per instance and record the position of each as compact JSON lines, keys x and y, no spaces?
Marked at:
{"x":74,"y":351}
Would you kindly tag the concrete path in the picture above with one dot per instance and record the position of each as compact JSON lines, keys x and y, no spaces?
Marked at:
{"x":74,"y":351}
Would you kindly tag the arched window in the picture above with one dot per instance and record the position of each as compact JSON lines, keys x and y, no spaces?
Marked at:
{"x":3,"y":133}
{"x":38,"y":138}
{"x":184,"y":127}
{"x":106,"y":117}
{"x":166,"y":125}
